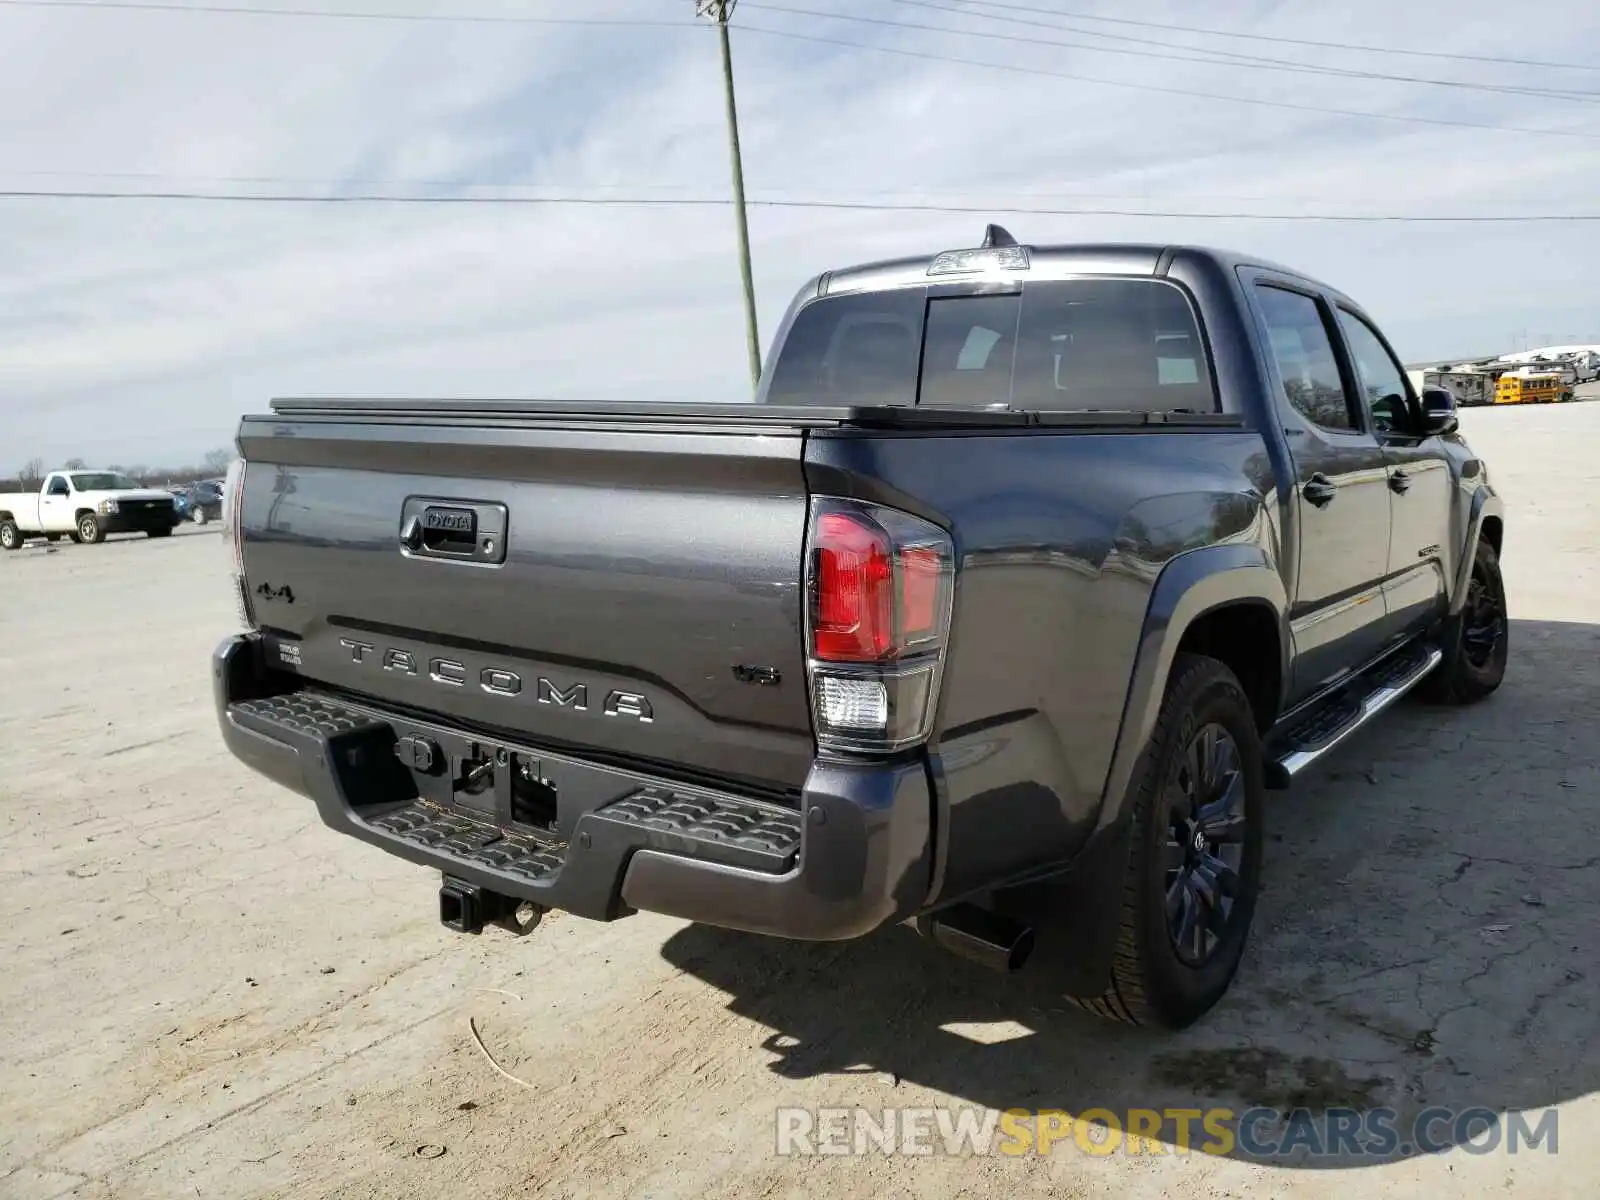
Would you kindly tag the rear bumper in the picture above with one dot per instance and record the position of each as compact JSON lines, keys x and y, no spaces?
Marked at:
{"x":855,"y":855}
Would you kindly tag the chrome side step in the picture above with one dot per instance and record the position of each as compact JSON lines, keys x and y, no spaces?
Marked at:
{"x":1311,"y":736}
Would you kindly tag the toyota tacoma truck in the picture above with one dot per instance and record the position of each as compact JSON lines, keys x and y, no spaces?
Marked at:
{"x":1028,"y":576}
{"x":85,"y":506}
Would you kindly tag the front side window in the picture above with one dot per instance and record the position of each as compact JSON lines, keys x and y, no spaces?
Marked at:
{"x":57,"y":487}
{"x":1382,"y":380}
{"x":1303,"y":351}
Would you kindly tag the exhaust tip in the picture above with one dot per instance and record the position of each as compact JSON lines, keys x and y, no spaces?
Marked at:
{"x":979,"y":935}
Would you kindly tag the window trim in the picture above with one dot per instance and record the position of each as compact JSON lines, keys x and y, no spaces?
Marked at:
{"x":1361,"y":426}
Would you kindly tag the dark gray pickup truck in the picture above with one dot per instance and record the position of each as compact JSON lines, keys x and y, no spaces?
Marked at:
{"x":1029,"y":574}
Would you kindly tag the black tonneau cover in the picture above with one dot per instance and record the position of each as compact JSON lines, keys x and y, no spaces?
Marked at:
{"x":740,"y":415}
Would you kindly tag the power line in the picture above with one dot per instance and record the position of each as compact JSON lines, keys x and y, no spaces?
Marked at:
{"x":247,"y":10}
{"x":835,"y":205}
{"x":1494,"y":59}
{"x":497,"y":19}
{"x":774,"y":191}
{"x":1211,"y":57}
{"x":1016,"y":68}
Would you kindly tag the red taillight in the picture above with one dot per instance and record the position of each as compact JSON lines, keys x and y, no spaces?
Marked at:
{"x":854,"y":619}
{"x":881,"y":586}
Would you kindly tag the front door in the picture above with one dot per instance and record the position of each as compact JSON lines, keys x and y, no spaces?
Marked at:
{"x":1341,"y":492}
{"x":56,"y":513}
{"x":1421,"y":551}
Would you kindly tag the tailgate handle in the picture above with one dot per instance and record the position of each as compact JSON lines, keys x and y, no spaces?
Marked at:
{"x":465,"y":531}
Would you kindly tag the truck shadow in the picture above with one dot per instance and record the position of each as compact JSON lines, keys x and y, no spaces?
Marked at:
{"x":1425,"y":941}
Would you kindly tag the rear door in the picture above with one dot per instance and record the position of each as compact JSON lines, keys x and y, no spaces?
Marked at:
{"x":1341,"y":487}
{"x":1421,"y":555}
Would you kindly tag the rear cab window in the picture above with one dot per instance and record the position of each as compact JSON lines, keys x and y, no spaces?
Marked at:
{"x":1091,"y":344}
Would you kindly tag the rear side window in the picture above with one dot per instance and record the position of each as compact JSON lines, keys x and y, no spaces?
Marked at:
{"x":846,"y":350}
{"x":1121,"y":345}
{"x":1304,"y":353}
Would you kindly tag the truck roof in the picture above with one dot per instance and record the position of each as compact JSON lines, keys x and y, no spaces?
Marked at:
{"x":1047,"y":261}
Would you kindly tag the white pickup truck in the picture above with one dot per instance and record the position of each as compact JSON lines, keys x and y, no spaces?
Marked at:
{"x":85,"y":506}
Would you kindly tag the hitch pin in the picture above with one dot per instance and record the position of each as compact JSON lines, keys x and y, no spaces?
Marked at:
{"x":477,"y":772}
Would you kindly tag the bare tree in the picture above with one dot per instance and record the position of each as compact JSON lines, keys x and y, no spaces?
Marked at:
{"x":32,"y":477}
{"x":216,"y":461}
{"x":76,"y":464}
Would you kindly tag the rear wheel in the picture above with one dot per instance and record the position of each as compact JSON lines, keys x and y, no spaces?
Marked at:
{"x":200,"y":515}
{"x":89,"y":529}
{"x":10,"y":536}
{"x":1475,"y":641}
{"x":1194,"y":868}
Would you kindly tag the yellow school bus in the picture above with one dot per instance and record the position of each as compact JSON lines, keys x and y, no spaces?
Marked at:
{"x":1530,"y":389}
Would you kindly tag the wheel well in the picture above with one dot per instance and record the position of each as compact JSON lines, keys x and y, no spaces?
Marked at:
{"x":82,"y":513}
{"x":1246,"y":638}
{"x":6,"y":516}
{"x":1492,"y":532}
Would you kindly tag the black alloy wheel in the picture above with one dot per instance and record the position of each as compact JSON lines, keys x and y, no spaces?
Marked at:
{"x":1205,"y":843}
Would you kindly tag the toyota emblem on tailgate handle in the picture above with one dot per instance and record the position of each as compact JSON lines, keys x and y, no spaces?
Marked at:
{"x":463,"y":531}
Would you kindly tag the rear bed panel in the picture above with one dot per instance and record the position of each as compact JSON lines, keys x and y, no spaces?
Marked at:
{"x":640,"y":569}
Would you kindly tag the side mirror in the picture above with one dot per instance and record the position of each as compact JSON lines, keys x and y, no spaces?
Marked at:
{"x":1439,"y":411}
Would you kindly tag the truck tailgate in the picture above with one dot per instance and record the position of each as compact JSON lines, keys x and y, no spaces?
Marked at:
{"x":624,"y":589}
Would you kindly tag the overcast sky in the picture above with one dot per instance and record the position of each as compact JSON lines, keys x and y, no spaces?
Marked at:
{"x":138,"y":331}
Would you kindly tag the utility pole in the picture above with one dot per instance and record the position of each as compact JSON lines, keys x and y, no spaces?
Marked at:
{"x":719,"y":11}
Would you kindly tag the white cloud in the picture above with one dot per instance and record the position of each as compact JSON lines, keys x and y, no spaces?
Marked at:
{"x":139,"y":331}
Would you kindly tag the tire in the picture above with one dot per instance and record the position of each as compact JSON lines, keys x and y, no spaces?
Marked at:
{"x":1475,"y":642}
{"x":88,"y":530}
{"x":1153,"y":982}
{"x":199,"y":516}
{"x":11,"y":536}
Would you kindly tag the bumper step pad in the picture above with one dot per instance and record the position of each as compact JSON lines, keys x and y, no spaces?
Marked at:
{"x":478,"y":842}
{"x":306,"y":714}
{"x":736,"y":832}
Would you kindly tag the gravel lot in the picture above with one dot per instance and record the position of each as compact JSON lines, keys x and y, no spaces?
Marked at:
{"x":207,"y":993}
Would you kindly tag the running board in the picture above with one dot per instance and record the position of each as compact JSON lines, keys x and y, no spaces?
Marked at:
{"x":1309,"y":736}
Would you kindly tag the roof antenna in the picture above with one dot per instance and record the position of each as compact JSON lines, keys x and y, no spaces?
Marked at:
{"x":994,"y":236}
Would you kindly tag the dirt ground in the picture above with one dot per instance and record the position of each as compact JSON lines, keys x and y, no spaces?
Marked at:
{"x":205,"y":992}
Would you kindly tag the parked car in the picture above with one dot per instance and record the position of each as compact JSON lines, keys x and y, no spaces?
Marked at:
{"x":203,"y":503}
{"x":1028,"y":575}
{"x":85,"y":505}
